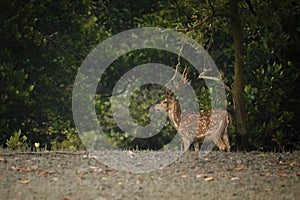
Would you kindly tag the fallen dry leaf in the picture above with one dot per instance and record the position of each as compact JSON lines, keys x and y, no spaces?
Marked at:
{"x":3,"y":160}
{"x":17,"y":167}
{"x":294,"y":164}
{"x":55,"y":179}
{"x":205,"y":160}
{"x":24,"y":169}
{"x":82,"y":175}
{"x":209,"y":178}
{"x":239,"y":168}
{"x":25,"y":181}
{"x":298,"y":173}
{"x":265,"y":174}
{"x":200,"y":175}
{"x":183,"y":176}
{"x":222,"y":174}
{"x":267,"y":189}
{"x":236,"y":169}
{"x":281,"y":174}
{"x":209,"y":171}
{"x":197,"y":168}
{"x":44,"y":172}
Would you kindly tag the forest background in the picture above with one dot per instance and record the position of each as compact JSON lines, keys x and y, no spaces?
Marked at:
{"x":255,"y":44}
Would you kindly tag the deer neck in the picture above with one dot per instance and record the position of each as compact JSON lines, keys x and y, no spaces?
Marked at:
{"x":175,"y":114}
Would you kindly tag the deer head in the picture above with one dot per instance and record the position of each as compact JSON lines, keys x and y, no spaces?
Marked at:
{"x":170,"y":100}
{"x":170,"y":103}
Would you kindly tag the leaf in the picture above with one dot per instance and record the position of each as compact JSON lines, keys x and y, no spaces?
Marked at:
{"x":197,"y":168}
{"x":267,"y":189}
{"x":44,"y":172}
{"x":234,"y":178}
{"x":37,"y":145}
{"x":265,"y":174}
{"x":23,"y":169}
{"x":281,"y":174}
{"x":222,"y":174}
{"x":236,"y":169}
{"x":239,"y":168}
{"x":209,"y":178}
{"x":31,"y":88}
{"x":209,"y":171}
{"x":298,"y":173}
{"x":82,"y":175}
{"x":205,"y":159}
{"x":184,"y":176}
{"x":200,"y":175}
{"x":25,"y":181}
{"x":294,"y":164}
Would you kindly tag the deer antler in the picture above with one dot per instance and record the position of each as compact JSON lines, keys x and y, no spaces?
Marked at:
{"x":184,"y":76}
{"x":182,"y":82}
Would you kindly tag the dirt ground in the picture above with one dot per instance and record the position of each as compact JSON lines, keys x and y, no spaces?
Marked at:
{"x":220,"y":175}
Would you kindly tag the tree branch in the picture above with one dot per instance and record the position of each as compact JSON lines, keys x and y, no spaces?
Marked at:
{"x":188,"y":29}
{"x":204,"y":20}
{"x":227,"y":88}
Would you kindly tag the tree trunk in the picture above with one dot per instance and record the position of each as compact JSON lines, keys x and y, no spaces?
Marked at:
{"x":238,"y":85}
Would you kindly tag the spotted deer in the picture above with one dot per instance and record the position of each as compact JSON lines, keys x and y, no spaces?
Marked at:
{"x":194,"y":127}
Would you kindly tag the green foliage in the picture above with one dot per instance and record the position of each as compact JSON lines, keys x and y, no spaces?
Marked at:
{"x":59,"y":134}
{"x":15,"y":141}
{"x":140,"y":104}
{"x":38,"y":65}
{"x":108,"y":125}
{"x":15,"y":96}
{"x":266,"y":99}
{"x":272,"y":74}
{"x":69,"y":140}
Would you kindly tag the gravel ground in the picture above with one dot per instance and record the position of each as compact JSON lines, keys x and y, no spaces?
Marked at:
{"x":220,"y":175}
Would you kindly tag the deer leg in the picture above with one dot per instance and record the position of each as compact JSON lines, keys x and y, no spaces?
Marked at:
{"x":196,"y":145}
{"x":218,"y":141}
{"x":227,"y":131}
{"x":220,"y":144}
{"x":186,"y":144}
{"x":226,"y":140}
